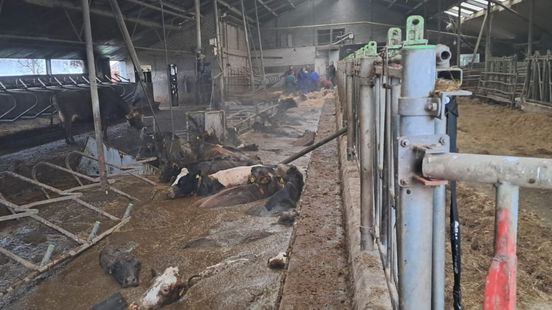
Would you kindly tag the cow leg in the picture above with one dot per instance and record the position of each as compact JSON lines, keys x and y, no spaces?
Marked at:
{"x":68,"y":132}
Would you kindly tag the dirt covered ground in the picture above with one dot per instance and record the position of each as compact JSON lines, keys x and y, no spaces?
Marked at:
{"x":318,"y":270}
{"x":167,"y":233}
{"x":492,"y":129}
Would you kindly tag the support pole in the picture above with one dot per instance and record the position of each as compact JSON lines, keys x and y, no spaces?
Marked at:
{"x":94,"y":94}
{"x":219,"y":50}
{"x":132,"y":52}
{"x":479,"y":38}
{"x":415,"y":209}
{"x":349,"y":109}
{"x":260,"y":42}
{"x":248,"y":46}
{"x":488,"y":39}
{"x":531,"y":26}
{"x":500,"y":289}
{"x":458,"y":33}
{"x":367,"y":146}
{"x":199,"y":60}
{"x":314,"y":146}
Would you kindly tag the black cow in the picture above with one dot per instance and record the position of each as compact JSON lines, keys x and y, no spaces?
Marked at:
{"x":121,"y":265}
{"x":75,"y":105}
{"x":114,"y":302}
{"x":289,"y":195}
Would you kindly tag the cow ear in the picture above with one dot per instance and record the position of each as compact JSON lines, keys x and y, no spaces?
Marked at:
{"x":128,"y":116}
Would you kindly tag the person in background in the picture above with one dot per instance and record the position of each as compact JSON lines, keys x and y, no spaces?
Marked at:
{"x":303,"y":80}
{"x":288,"y":72}
{"x":291,"y":83}
{"x":314,"y":78}
{"x":331,"y":72}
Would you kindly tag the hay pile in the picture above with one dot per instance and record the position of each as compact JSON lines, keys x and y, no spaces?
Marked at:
{"x":477,"y":212}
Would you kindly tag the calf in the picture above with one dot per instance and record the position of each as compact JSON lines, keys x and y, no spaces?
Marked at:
{"x":215,"y":182}
{"x":166,"y":289}
{"x":121,"y":265}
{"x":73,"y":105}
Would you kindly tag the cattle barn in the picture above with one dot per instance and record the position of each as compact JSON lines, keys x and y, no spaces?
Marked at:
{"x":275,"y":154}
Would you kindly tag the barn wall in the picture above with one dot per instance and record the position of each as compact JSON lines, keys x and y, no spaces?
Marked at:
{"x":302,"y":43}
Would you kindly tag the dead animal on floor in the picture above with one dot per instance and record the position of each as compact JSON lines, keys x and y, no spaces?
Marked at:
{"x":287,"y":218}
{"x":279,"y":261}
{"x":187,"y":182}
{"x":121,"y":265}
{"x":306,"y":139}
{"x":284,"y":199}
{"x":262,"y":183}
{"x":165,"y":289}
{"x":114,"y":302}
{"x":220,"y":267}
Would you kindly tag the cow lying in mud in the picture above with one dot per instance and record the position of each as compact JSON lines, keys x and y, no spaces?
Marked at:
{"x":73,"y":105}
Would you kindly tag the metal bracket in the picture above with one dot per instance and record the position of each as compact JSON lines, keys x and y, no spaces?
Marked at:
{"x":411,"y":153}
{"x":415,"y":31}
{"x":431,"y":106}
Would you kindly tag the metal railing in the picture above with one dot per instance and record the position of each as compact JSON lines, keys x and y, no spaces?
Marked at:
{"x":398,"y":135}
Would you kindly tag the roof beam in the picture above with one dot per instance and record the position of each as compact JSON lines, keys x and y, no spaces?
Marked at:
{"x":158,"y":8}
{"x":267,"y":7}
{"x":71,"y":6}
{"x":291,"y":3}
{"x":234,"y":10}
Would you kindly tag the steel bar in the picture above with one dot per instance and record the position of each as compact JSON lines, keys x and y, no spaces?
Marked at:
{"x":19,"y":259}
{"x":415,"y":211}
{"x":74,"y":7}
{"x":248,"y":46}
{"x":260,"y":39}
{"x":17,"y":215}
{"x":531,"y":27}
{"x":94,"y":92}
{"x":220,"y":47}
{"x":349,"y":109}
{"x":500,"y":289}
{"x":489,"y":169}
{"x":314,"y":146}
{"x":367,"y":145}
{"x":93,"y":208}
{"x":48,"y":255}
{"x":132,"y":52}
{"x":156,"y":8}
{"x":45,"y":186}
{"x":94,"y":231}
{"x":476,"y":49}
{"x":49,"y":201}
{"x":56,"y":227}
{"x":458,"y":33}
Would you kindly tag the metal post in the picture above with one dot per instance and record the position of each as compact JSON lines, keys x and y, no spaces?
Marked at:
{"x":219,"y":49}
{"x":531,"y":26}
{"x":458,"y":33}
{"x":500,"y":291}
{"x":94,"y":94}
{"x":199,"y":59}
{"x":479,"y":39}
{"x":415,"y":211}
{"x":439,"y":223}
{"x":260,"y":42}
{"x":349,"y":107}
{"x":488,"y":42}
{"x":252,"y":77}
{"x":367,"y":153}
{"x":198,"y":26}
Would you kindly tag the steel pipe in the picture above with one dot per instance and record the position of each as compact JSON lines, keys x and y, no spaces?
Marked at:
{"x":367,"y":144}
{"x":415,"y":211}
{"x":490,"y":169}
{"x":349,"y":109}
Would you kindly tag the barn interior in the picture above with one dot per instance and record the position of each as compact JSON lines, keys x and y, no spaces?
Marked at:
{"x":262,"y":154}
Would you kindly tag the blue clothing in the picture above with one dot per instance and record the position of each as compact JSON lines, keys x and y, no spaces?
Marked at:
{"x":314,"y":78}
{"x":303,"y":81}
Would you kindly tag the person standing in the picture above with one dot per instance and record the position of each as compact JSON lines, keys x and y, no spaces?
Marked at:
{"x":314,"y":78}
{"x":331,"y":72}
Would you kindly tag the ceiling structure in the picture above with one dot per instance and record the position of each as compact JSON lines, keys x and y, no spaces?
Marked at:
{"x":52,"y":28}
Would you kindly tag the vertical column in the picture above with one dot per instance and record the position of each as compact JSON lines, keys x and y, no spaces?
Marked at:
{"x":415,"y":210}
{"x":458,"y":33}
{"x":349,"y":107}
{"x":260,"y":42}
{"x":245,"y":31}
{"x":219,"y":50}
{"x":500,"y":289}
{"x":94,"y":93}
{"x":531,"y":26}
{"x":367,"y":151}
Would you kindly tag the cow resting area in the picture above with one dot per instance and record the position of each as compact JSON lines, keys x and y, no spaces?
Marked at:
{"x":222,"y":251}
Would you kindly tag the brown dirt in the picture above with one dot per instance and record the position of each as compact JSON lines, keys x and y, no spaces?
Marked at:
{"x":175,"y":233}
{"x":489,"y":129}
{"x":318,"y":270}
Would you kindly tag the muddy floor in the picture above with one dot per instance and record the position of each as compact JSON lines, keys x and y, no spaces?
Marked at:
{"x":167,"y":233}
{"x":492,"y":129}
{"x":318,"y":271}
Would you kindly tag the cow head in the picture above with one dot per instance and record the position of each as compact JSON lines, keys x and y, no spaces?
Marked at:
{"x":166,"y":289}
{"x":135,"y":119}
{"x":186,"y":184}
{"x":127,"y":272}
{"x":261,"y":175}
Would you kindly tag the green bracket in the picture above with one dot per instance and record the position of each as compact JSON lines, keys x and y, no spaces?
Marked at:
{"x":415,"y":31}
{"x":394,"y":38}
{"x":371,"y":49}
